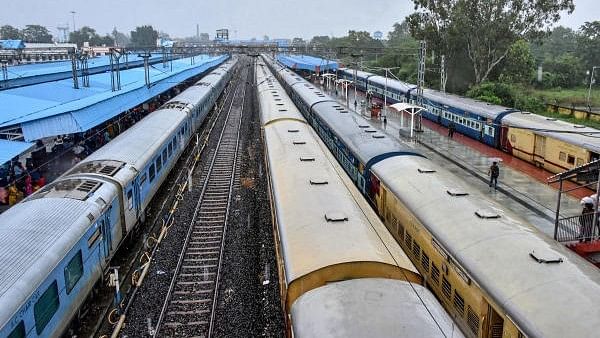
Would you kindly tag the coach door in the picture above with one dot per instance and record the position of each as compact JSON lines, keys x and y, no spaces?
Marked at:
{"x":504,"y":139}
{"x":106,"y":245}
{"x":539,"y":149}
{"x":493,"y":325}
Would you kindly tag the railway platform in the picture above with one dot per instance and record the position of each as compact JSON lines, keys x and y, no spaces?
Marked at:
{"x":521,"y":186}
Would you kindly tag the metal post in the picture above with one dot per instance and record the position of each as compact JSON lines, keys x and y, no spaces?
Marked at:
{"x":595,"y":222}
{"x":355,"y":75}
{"x":590,"y":88}
{"x":385,"y":94}
{"x":74,"y":69}
{"x":443,"y":75}
{"x":560,"y":185}
{"x":421,"y":76}
{"x":5,"y":72}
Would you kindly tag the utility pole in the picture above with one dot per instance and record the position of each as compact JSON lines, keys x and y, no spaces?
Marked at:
{"x":73,"y":15}
{"x":421,"y":77}
{"x":443,"y":75}
{"x":589,"y":96}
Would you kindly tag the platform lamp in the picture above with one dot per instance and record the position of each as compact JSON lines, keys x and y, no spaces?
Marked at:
{"x":590,"y":88}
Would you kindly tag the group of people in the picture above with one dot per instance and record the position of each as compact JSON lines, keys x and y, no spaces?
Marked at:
{"x":18,"y":181}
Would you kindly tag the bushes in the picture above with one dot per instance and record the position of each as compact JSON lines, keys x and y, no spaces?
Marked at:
{"x":508,"y":95}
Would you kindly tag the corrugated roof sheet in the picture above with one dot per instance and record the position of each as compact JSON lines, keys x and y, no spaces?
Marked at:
{"x":307,"y":62}
{"x":55,"y":108}
{"x":10,"y":149}
{"x":12,"y":44}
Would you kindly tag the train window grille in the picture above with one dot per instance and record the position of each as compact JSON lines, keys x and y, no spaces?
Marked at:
{"x":400,"y":231}
{"x":425,"y":262}
{"x":435,"y":274}
{"x":45,"y":308}
{"x":408,"y":241}
{"x":18,"y":331}
{"x":164,"y":156}
{"x":446,"y":287}
{"x":73,"y":272}
{"x":143,"y":179}
{"x":416,"y":249}
{"x":151,"y":172}
{"x":158,"y":163}
{"x":473,"y":321}
{"x":459,"y":303}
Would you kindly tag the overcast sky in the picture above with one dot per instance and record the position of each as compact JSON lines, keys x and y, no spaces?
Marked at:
{"x":244,"y":18}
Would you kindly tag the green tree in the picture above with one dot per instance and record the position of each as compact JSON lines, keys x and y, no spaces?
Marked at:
{"x":8,"y":32}
{"x":519,"y":64}
{"x":561,"y":40}
{"x":484,"y":29}
{"x":36,"y":33}
{"x":321,"y":41}
{"x":120,"y":39}
{"x":85,"y":34}
{"x":588,"y":44}
{"x":565,"y":71}
{"x":144,"y":36}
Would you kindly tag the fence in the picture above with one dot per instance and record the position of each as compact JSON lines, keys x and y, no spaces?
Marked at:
{"x":577,"y":228}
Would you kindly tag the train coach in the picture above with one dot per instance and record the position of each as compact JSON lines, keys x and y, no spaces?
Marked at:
{"x":554,"y":145}
{"x":494,"y":273}
{"x":55,"y":245}
{"x":341,"y":272}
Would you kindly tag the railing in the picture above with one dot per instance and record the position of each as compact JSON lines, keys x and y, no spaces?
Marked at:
{"x":578,"y":228}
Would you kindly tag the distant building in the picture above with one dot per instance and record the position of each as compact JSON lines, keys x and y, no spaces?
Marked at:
{"x":378,"y":35}
{"x":222,"y":34}
{"x":17,"y":51}
{"x":204,"y":37}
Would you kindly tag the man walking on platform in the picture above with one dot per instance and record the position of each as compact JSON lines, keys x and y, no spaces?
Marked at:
{"x":494,"y":172}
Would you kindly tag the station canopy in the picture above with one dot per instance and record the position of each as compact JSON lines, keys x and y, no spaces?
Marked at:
{"x":307,"y":62}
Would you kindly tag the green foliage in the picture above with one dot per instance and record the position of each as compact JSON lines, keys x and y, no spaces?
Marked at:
{"x":519,"y":64}
{"x":486,"y":30}
{"x":36,"y":33}
{"x":565,"y":71}
{"x":87,"y":34}
{"x":144,"y":36}
{"x":588,"y":44}
{"x":8,"y":32}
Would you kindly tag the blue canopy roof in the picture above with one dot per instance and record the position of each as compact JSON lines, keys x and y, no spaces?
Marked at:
{"x":11,"y":149}
{"x":307,"y":62}
{"x":12,"y":44}
{"x":55,"y":108}
{"x":24,"y":75}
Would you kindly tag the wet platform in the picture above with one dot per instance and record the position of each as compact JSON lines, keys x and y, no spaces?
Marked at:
{"x":521,"y":187}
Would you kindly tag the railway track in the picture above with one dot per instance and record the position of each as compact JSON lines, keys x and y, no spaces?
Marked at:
{"x":189,"y":306}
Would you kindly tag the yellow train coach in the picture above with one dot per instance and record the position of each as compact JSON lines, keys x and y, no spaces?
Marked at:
{"x":557,"y":146}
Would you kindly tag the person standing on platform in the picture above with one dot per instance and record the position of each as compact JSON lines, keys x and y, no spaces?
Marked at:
{"x":494,"y":172}
{"x":384,"y":121}
{"x":451,"y":128}
{"x":586,"y":219}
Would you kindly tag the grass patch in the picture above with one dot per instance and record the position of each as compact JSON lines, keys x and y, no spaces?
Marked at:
{"x":569,"y":97}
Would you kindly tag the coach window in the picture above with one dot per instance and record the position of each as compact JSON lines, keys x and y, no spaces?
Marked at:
{"x":158,"y":164}
{"x":164,"y":157}
{"x":571,"y":159}
{"x":46,"y":307}
{"x":151,"y":172}
{"x":130,"y":199}
{"x":73,"y":272}
{"x":18,"y":331}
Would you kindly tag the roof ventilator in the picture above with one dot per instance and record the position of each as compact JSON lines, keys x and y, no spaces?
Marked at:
{"x":378,"y":136}
{"x":299,"y":142}
{"x":307,"y":158}
{"x":370,"y":130}
{"x":457,"y":192}
{"x":487,"y":214}
{"x":578,"y":126}
{"x":363,"y":126}
{"x":293,"y":130}
{"x":541,"y":259}
{"x":426,"y":170}
{"x":335,"y":216}
{"x":318,"y":181}
{"x":550,"y":118}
